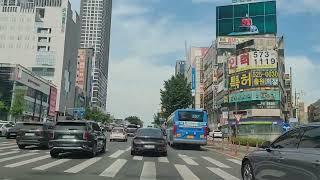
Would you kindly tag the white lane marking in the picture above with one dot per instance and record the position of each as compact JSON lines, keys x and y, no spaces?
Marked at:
{"x":188,"y":160}
{"x":185,"y":172}
{"x":52,"y":164}
{"x":139,"y":158}
{"x":16,"y":149}
{"x":114,"y":168}
{"x":48,"y":152}
{"x":224,"y":175}
{"x":7,"y":144}
{"x":129,"y":148}
{"x":8,"y":147}
{"x":215,"y":162}
{"x":148,"y":171}
{"x":34,"y":150}
{"x":117,"y":154}
{"x":27,"y":161}
{"x":6,"y":153}
{"x":235,"y":161}
{"x":16,"y":157}
{"x":163,"y":159}
{"x":83,"y":165}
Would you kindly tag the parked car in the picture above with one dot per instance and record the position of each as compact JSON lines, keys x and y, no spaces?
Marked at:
{"x":217,"y":134}
{"x":295,"y":155}
{"x":77,"y":136}
{"x":12,"y":131}
{"x":149,"y":140}
{"x":132,"y":129}
{"x":4,"y":128}
{"x":34,"y":133}
{"x":118,"y":133}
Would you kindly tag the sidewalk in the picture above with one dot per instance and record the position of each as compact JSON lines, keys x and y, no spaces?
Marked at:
{"x":226,"y":147}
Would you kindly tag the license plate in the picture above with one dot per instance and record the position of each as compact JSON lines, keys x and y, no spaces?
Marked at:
{"x":189,"y":137}
{"x":67,"y":137}
{"x":29,"y":134}
{"x":149,"y":146}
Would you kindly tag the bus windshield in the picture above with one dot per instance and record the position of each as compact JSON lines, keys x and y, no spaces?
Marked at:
{"x":190,"y":116}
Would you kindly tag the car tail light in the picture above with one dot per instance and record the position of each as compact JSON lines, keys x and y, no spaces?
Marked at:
{"x":86,"y":135}
{"x":174,"y":129}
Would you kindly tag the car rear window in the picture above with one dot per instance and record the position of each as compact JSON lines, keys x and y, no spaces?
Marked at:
{"x":32,"y":126}
{"x":70,"y":126}
{"x":150,"y":132}
{"x":191,"y":116}
{"x":132,"y":126}
{"x":117,"y":130}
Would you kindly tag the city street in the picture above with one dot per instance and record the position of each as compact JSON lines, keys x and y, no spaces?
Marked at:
{"x":116,"y":163}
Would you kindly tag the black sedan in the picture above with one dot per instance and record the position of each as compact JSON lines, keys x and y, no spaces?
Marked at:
{"x":294,"y":155}
{"x":149,"y":140}
{"x":12,"y":131}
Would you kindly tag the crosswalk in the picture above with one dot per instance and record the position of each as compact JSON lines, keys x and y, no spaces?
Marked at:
{"x":114,"y":164}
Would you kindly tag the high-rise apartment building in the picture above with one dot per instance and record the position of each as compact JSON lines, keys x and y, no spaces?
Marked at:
{"x":180,"y":67}
{"x":44,"y":36}
{"x":95,"y":33}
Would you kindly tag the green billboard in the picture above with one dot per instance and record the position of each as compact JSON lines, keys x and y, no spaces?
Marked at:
{"x":247,"y":19}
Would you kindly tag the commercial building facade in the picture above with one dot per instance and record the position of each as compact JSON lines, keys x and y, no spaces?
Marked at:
{"x":38,"y":95}
{"x":43,"y":36}
{"x":95,"y":33}
{"x":180,"y":67}
{"x":246,"y":90}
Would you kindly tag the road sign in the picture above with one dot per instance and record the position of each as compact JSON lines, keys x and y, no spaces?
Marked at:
{"x":238,"y":117}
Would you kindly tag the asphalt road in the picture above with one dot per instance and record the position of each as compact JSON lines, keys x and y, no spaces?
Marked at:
{"x":116,"y":163}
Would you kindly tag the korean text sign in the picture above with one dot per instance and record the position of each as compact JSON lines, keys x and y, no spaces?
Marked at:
{"x":253,"y":60}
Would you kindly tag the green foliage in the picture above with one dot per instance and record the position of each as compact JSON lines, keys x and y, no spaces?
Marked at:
{"x":3,"y":107}
{"x":97,"y":115}
{"x":134,"y":120}
{"x":175,"y":95}
{"x":247,"y":140}
{"x":17,"y":107}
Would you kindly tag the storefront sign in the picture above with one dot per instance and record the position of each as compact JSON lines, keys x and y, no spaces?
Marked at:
{"x":260,"y":43}
{"x":241,"y":80}
{"x":265,"y":77}
{"x":52,"y":101}
{"x":253,"y":60}
{"x":254,"y":96}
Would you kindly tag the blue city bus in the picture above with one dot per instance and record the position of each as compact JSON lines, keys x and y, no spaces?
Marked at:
{"x":187,"y":126}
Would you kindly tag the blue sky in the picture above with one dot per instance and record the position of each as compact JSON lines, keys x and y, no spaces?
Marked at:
{"x":147,"y":37}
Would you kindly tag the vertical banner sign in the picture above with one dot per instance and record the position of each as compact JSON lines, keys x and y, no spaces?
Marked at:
{"x":63,"y":19}
{"x":52,"y":101}
{"x":193,"y":83}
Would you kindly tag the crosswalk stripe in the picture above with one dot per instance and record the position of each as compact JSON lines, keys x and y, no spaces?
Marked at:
{"x":6,"y":153}
{"x":148,"y":171}
{"x":16,"y":157}
{"x":163,"y":159}
{"x":28,"y":161}
{"x":16,"y":149}
{"x":139,"y":158}
{"x":8,"y":147}
{"x":34,"y":151}
{"x":7,"y":144}
{"x":188,"y":160}
{"x":52,"y":164}
{"x":185,"y":172}
{"x":83,"y":165}
{"x":117,"y":154}
{"x":224,"y":175}
{"x":114,"y":168}
{"x":235,"y":161}
{"x":129,"y":148}
{"x":215,"y":162}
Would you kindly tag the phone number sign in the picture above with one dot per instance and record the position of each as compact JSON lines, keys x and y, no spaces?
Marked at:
{"x":253,"y":60}
{"x":254,"y":78}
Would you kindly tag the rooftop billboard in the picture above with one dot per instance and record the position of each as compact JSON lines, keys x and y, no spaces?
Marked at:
{"x":247,"y":19}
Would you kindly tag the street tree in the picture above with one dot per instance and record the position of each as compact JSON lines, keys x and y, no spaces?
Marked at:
{"x":97,"y":115}
{"x":134,"y":120}
{"x":17,"y":107}
{"x":175,"y":95}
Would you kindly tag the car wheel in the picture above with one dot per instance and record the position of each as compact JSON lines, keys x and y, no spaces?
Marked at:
{"x":164,"y":154}
{"x":103,"y":150}
{"x":133,"y":153}
{"x":54,"y":154}
{"x":247,"y":172}
{"x":21,"y":146}
{"x":8,"y":136}
{"x":93,"y":152}
{"x":110,"y":140}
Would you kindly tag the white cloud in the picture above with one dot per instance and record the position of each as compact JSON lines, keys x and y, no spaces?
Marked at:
{"x":305,"y":77}
{"x":126,"y":9}
{"x":136,"y":43}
